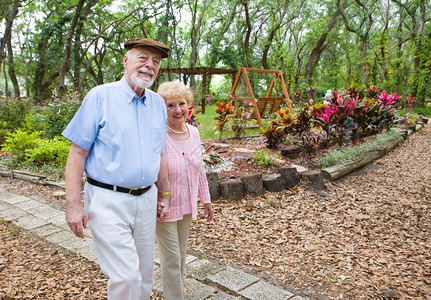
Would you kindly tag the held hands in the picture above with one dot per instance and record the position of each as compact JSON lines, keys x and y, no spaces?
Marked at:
{"x":163,"y":205}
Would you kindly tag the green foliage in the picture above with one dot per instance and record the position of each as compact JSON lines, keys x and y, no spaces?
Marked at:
{"x":19,"y":141}
{"x":58,"y":113}
{"x":48,"y":150}
{"x":424,"y":109}
{"x":264,"y":159}
{"x":29,"y":149}
{"x":13,"y":112}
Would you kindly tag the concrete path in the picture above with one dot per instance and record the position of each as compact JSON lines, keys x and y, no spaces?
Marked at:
{"x":204,"y":279}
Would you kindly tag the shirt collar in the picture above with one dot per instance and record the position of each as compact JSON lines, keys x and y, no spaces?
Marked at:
{"x":130,"y":94}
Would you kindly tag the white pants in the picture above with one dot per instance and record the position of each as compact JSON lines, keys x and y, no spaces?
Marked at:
{"x":123,"y":228}
{"x":172,"y":243}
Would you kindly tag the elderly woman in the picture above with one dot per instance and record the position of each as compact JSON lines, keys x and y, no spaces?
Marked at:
{"x":188,"y":181}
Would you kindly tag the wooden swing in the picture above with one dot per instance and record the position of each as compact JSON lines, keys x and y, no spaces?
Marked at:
{"x":264,"y":105}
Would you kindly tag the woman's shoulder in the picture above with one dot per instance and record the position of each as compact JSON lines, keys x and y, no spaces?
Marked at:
{"x":193,"y":130}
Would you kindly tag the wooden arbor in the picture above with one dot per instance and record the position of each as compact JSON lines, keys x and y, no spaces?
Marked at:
{"x":204,"y":72}
{"x":265,"y":104}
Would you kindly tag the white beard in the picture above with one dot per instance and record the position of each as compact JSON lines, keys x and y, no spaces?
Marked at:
{"x":140,"y":82}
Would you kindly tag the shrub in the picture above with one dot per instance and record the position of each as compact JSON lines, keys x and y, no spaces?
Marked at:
{"x":223,"y":110}
{"x":58,"y":113}
{"x":13,"y":112}
{"x":46,"y":151}
{"x":19,"y":141}
{"x":265,"y":159}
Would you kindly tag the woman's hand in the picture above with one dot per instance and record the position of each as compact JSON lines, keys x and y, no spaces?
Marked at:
{"x":163,"y":207}
{"x":208,"y":212}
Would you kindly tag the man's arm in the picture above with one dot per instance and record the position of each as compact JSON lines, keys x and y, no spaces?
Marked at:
{"x":164,"y":188}
{"x":76,"y":217}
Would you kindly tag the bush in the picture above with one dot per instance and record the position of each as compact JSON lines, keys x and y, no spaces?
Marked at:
{"x":19,"y":141}
{"x":265,"y":159}
{"x":424,"y":109}
{"x":46,"y":151}
{"x":13,"y":112}
{"x":57,"y":114}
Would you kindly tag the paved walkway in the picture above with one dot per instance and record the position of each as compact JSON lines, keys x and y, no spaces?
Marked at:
{"x":204,"y":279}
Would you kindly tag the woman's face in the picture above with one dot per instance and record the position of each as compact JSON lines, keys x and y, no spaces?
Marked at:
{"x":177,"y":110}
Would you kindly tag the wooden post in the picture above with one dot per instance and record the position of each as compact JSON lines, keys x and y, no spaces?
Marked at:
{"x":204,"y":92}
{"x":286,"y":94}
{"x":271,"y":86}
{"x":252,"y":97}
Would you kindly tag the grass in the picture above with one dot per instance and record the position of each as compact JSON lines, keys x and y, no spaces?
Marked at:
{"x":207,"y":129}
{"x":346,"y":154}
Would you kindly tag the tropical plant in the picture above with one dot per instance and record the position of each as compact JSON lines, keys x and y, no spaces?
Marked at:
{"x":263,"y":158}
{"x":191,"y":117}
{"x":273,"y":134}
{"x":212,"y":155}
{"x":223,"y":110}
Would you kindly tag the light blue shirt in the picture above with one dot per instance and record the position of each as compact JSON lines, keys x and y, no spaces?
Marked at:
{"x":123,"y":134}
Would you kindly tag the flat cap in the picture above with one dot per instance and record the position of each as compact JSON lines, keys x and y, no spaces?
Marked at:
{"x":145,"y":42}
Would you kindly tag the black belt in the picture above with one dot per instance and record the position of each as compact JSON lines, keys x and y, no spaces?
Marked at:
{"x":131,"y":191}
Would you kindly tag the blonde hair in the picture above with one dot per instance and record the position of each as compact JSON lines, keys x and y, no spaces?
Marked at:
{"x":175,"y":89}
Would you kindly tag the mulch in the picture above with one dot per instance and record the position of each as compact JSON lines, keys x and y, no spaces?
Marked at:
{"x":366,"y":236}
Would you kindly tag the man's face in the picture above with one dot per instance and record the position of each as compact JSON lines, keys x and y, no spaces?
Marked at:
{"x":141,"y":66}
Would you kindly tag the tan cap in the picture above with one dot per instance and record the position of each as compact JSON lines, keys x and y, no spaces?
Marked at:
{"x":145,"y":42}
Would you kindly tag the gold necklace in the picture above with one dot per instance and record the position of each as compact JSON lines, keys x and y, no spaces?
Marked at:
{"x":177,"y":132}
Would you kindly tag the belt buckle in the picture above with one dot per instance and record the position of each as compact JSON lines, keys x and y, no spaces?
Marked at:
{"x":132,"y":189}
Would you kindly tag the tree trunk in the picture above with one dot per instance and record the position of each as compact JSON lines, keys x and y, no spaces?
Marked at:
{"x":195,"y":32}
{"x":248,"y":33}
{"x":11,"y":69}
{"x":65,"y":65}
{"x":77,"y":58}
{"x":8,"y":29}
{"x":315,"y":54}
{"x":271,"y":36}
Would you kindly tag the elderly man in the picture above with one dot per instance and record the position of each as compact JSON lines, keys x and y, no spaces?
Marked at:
{"x":118,"y":137}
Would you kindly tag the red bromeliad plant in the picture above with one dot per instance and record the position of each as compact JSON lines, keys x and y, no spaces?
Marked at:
{"x":388,"y":100}
{"x":338,"y":122}
{"x":309,"y":140}
{"x":191,"y":116}
{"x":327,"y":120}
{"x":224,"y":110}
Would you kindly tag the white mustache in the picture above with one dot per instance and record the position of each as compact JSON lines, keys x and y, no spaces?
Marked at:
{"x":146,"y":71}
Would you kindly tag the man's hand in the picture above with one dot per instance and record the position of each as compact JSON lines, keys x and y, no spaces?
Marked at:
{"x":76,"y":218}
{"x":163,"y":208}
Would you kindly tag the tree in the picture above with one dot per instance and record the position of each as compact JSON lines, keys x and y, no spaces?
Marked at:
{"x":318,"y":48}
{"x":10,"y":15}
{"x":67,"y":52}
{"x":366,"y":19}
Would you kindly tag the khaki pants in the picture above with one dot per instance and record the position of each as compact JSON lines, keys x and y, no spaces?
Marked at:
{"x":172,"y":243}
{"x":123,"y":228}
